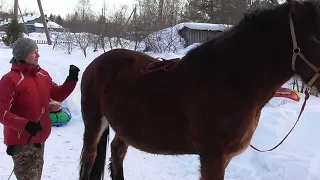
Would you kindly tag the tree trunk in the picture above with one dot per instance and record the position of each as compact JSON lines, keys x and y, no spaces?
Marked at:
{"x":160,"y":14}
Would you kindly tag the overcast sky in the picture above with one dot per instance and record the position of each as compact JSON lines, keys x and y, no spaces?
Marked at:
{"x":64,"y":7}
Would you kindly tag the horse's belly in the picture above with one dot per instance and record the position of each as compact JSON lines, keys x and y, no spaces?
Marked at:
{"x":165,"y":147}
{"x":155,"y":140}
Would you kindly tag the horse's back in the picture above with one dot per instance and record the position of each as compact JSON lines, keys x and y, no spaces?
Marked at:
{"x":114,"y":55}
{"x":111,"y":63}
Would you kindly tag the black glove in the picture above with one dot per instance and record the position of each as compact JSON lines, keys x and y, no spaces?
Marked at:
{"x":33,"y":128}
{"x":73,"y":73}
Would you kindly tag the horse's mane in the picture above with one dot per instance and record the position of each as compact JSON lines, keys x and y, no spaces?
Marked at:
{"x":252,"y":24}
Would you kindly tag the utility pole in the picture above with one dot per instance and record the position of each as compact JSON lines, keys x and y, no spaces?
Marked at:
{"x":24,"y":24}
{"x":44,"y":22}
{"x":15,"y":10}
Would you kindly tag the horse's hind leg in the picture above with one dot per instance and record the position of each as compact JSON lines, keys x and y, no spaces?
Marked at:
{"x":213,"y":166}
{"x":118,"y":152}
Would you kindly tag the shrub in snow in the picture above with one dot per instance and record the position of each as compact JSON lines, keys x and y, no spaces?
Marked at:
{"x":164,"y":41}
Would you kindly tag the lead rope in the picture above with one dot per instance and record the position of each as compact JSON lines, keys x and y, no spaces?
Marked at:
{"x":307,"y":95}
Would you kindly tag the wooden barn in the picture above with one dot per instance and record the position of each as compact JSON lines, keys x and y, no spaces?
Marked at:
{"x":199,"y":32}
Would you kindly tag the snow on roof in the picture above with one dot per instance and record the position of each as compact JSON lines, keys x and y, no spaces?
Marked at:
{"x":25,"y":19}
{"x":28,"y":18}
{"x":203,"y":26}
{"x":50,"y":24}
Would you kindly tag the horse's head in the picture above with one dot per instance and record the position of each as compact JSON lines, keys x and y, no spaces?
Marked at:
{"x":304,"y":20}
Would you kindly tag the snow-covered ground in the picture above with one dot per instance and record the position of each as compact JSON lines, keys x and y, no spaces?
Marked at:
{"x":298,"y":158}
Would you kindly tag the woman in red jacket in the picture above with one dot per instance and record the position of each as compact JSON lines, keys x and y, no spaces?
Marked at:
{"x":24,"y":107}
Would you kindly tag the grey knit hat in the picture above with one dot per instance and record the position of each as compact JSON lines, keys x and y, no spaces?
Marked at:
{"x":21,"y":48}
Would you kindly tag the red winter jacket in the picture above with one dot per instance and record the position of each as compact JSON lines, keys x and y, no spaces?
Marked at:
{"x":24,"y":92}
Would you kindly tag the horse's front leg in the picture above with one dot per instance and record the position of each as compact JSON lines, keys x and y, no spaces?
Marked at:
{"x":213,"y":165}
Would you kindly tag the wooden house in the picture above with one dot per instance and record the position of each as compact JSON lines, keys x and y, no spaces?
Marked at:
{"x":199,"y":32}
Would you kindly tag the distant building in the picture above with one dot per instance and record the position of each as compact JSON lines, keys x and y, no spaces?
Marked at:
{"x":199,"y":32}
{"x":33,"y":23}
{"x":182,"y":35}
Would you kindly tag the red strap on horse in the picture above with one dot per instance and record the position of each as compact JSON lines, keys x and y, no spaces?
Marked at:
{"x":307,"y":95}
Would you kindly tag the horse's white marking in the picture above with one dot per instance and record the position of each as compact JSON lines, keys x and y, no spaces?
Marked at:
{"x":103,"y":126}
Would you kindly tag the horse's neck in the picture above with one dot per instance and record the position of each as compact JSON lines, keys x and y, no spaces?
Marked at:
{"x":265,"y":63}
{"x":257,"y":64}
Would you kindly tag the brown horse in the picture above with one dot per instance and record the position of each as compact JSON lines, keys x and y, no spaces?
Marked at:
{"x":208,"y":103}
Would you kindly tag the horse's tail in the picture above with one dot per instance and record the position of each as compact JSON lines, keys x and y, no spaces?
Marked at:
{"x":96,"y":134}
{"x":99,"y":163}
{"x":92,"y":165}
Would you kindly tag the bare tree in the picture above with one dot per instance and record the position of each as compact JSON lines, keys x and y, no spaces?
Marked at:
{"x":82,"y":19}
{"x":160,"y":14}
{"x":166,"y":40}
{"x":135,"y":31}
{"x":102,"y":43}
{"x":5,"y":10}
{"x":294,"y":81}
{"x":117,"y":25}
{"x":99,"y":28}
{"x":172,"y":14}
{"x":57,"y":38}
{"x":314,"y":91}
{"x":148,"y":15}
{"x":2,"y":5}
{"x":102,"y":22}
{"x":66,"y":42}
{"x":83,"y":7}
{"x":303,"y":86}
{"x":83,"y":41}
{"x":95,"y":42}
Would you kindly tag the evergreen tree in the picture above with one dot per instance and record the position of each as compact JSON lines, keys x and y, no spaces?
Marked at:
{"x":52,"y":17}
{"x":215,"y":11}
{"x":59,"y":20}
{"x":14,"y":32}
